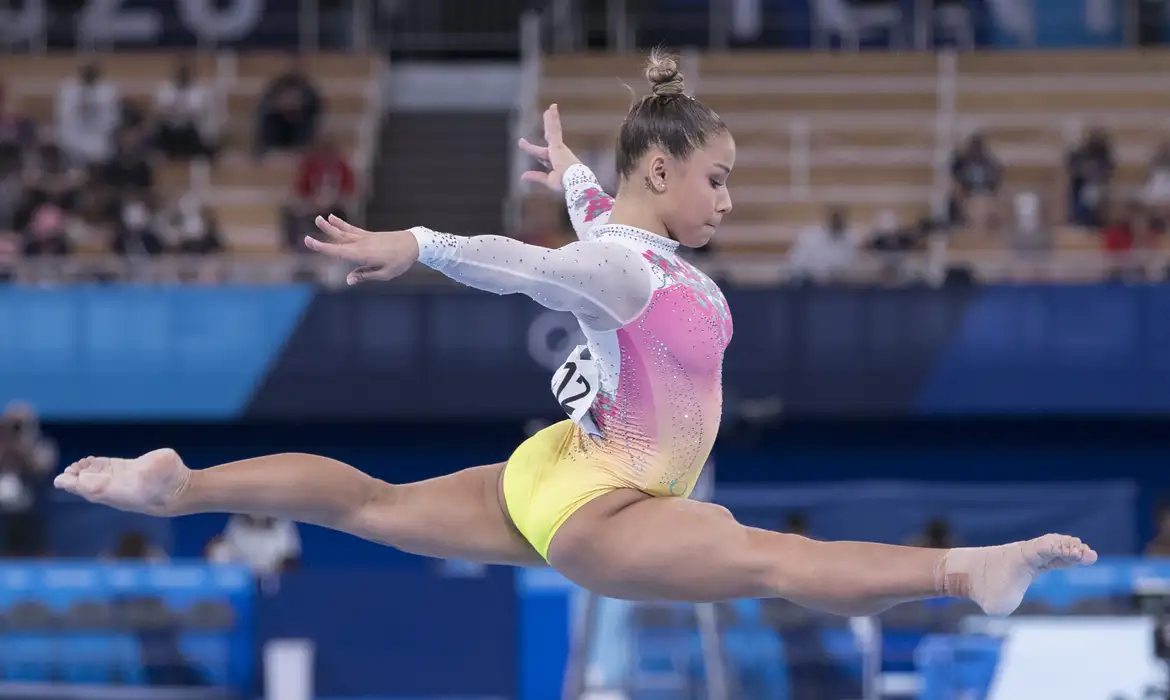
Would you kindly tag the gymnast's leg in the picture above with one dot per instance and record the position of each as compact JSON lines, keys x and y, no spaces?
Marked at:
{"x":459,"y":515}
{"x":628,"y":545}
{"x":456,"y":516}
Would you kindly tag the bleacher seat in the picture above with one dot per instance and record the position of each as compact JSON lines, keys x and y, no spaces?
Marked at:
{"x":27,"y":647}
{"x":85,"y":643}
{"x":239,"y":190}
{"x":874,"y":131}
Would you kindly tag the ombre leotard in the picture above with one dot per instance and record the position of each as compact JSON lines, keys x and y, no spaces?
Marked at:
{"x":643,"y":395}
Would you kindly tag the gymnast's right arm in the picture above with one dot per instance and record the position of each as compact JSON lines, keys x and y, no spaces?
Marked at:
{"x":302,"y":487}
{"x":604,"y":283}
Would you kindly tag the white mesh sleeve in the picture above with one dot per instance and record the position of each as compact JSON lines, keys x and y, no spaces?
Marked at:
{"x":605,"y":284}
{"x":589,"y":205}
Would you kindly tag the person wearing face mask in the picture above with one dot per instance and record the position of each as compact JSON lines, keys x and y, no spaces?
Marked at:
{"x":134,"y":230}
{"x":605,"y":495}
{"x":190,"y":229}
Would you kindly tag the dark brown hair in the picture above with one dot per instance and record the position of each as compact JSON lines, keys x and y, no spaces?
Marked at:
{"x":667,"y":118}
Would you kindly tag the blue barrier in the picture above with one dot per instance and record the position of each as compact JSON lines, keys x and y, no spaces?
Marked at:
{"x":133,"y":624}
{"x":401,"y":633}
{"x":1111,"y":577}
{"x":220,"y":353}
{"x":142,"y":352}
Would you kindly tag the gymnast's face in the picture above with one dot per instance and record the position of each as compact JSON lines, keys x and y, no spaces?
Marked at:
{"x":694,"y":197}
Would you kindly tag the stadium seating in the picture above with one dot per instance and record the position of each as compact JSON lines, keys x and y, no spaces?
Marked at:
{"x":125,"y":625}
{"x":244,"y":194}
{"x":875,"y":131}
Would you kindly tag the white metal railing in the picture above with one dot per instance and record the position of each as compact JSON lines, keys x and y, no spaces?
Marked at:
{"x":211,"y":269}
{"x":748,"y":269}
{"x":800,"y":148}
{"x":989,"y":266}
{"x":369,"y":131}
{"x":526,"y":114}
{"x":947,"y":105}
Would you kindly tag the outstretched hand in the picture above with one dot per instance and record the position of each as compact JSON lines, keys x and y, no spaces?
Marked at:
{"x":556,"y":156}
{"x":380,"y":256}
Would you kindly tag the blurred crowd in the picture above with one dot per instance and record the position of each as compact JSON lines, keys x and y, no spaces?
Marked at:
{"x":88,"y":182}
{"x":1023,"y":221}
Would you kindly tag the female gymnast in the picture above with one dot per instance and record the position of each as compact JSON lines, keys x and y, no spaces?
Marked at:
{"x":602,"y":495}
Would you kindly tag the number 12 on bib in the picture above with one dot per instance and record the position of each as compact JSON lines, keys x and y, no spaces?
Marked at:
{"x":575,"y":385}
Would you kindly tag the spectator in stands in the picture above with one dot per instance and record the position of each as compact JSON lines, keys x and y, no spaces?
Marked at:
{"x":88,"y":113}
{"x":892,"y":242}
{"x":324,"y":184}
{"x":135,"y":231}
{"x":1089,"y":170}
{"x":49,"y":200}
{"x":187,"y":116}
{"x":45,"y":231}
{"x":134,"y":117}
{"x":15,"y":130}
{"x":1127,"y":229}
{"x":267,"y":546}
{"x":976,"y":176}
{"x":288,"y":112}
{"x":50,"y":179}
{"x":12,"y":184}
{"x":26,"y":458}
{"x":827,"y":253}
{"x":129,"y":170}
{"x":9,"y":254}
{"x":189,"y":228}
{"x":1156,"y":192}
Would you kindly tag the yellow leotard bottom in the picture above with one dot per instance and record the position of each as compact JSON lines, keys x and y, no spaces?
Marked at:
{"x":541,"y":489}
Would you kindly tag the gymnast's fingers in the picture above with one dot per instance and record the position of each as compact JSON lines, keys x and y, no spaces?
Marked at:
{"x":552,"y":127}
{"x":344,"y":251}
{"x":334,"y":232}
{"x":540,"y":153}
{"x":347,"y":227}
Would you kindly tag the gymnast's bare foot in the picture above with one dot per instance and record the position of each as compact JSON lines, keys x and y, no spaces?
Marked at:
{"x":997,"y":577}
{"x":151,"y":484}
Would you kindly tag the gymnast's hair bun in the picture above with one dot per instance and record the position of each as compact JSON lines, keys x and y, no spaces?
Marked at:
{"x":663,"y":73}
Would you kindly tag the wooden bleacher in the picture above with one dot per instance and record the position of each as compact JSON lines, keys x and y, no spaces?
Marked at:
{"x":874,"y":131}
{"x":244,"y":194}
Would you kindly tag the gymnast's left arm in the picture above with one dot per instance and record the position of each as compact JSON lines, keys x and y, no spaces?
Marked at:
{"x":589,"y":204}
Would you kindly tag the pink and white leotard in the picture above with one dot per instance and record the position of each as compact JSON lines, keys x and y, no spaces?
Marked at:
{"x":646,"y":389}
